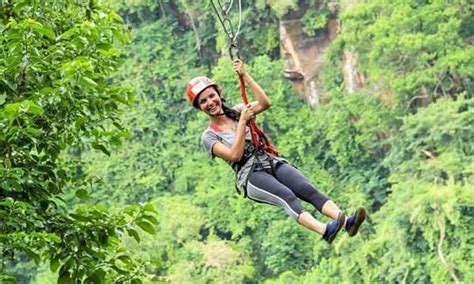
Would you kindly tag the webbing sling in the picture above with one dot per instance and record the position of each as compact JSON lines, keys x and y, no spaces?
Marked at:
{"x":259,"y":138}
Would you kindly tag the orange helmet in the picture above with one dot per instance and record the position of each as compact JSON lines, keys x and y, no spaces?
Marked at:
{"x":196,"y":86}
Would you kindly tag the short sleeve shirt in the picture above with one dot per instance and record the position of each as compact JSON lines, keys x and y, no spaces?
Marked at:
{"x":213,"y":135}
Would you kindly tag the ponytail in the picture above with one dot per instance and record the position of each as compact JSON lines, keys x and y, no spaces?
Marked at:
{"x":231,"y":113}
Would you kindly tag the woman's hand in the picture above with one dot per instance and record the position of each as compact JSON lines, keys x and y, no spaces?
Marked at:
{"x":247,"y":113}
{"x":239,"y":66}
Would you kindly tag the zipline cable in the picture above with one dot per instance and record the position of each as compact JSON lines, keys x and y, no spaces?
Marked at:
{"x":230,"y":6}
{"x":223,"y":16}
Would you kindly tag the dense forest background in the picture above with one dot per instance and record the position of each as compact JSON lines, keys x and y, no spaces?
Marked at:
{"x":103,"y":178}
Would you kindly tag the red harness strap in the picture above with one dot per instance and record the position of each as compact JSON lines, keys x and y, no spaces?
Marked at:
{"x":259,"y":138}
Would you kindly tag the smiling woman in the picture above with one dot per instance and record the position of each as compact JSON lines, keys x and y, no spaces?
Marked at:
{"x":261,"y":175}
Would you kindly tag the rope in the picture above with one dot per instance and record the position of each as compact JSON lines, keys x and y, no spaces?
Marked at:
{"x":259,"y":138}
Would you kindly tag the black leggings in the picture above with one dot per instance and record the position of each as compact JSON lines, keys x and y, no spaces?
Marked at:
{"x":284,"y":188}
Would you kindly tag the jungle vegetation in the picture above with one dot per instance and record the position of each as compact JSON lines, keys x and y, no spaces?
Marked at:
{"x":103,"y":178}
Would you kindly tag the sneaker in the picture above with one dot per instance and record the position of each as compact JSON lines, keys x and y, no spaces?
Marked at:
{"x":333,"y":228}
{"x":353,"y":223}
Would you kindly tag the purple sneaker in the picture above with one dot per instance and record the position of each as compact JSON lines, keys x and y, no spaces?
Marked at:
{"x":333,"y":228}
{"x":353,"y":223}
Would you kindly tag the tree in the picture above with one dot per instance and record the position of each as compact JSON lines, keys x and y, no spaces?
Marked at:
{"x":419,"y":51}
{"x":56,"y":96}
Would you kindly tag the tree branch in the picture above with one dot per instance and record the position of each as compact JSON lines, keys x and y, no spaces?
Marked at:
{"x":442,"y":235}
{"x":428,"y":154}
{"x":196,"y":34}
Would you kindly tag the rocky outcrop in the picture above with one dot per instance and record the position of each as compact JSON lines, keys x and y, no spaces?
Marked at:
{"x":353,"y":80}
{"x":303,"y":57}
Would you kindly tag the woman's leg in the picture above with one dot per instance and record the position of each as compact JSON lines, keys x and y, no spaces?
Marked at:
{"x":308,"y":221}
{"x":302,"y":188}
{"x":263,"y":187}
{"x":300,"y":185}
{"x":330,"y":209}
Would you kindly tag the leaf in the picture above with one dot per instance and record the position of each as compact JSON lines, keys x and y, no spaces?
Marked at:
{"x":7,"y":201}
{"x":120,"y":36}
{"x":11,"y":110}
{"x":60,"y":202}
{"x":119,"y":270}
{"x":7,"y":162}
{"x":104,"y":46}
{"x":89,"y":82}
{"x":69,"y":33}
{"x":18,"y":6}
{"x":100,"y":147}
{"x":65,"y":278}
{"x":3,"y":98}
{"x":33,"y":131}
{"x":54,"y":265}
{"x":32,"y":108}
{"x":151,"y":219}
{"x":79,"y":217}
{"x":12,"y":86}
{"x":116,"y":124}
{"x":131,"y":209}
{"x":134,"y":234}
{"x":115,"y":17}
{"x":82,"y":194}
{"x":150,"y":208}
{"x":97,"y":277}
{"x":126,"y":260}
{"x":7,"y":279}
{"x":55,"y":238}
{"x":136,"y":281}
{"x":147,"y":227}
{"x":33,"y":255}
{"x":49,"y":33}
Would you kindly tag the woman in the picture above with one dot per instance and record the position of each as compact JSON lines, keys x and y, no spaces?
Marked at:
{"x":261,"y":176}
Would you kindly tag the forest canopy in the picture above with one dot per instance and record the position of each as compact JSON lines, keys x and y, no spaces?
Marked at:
{"x":103,"y":177}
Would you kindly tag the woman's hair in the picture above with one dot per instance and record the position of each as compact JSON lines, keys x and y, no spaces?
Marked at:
{"x":231,"y":113}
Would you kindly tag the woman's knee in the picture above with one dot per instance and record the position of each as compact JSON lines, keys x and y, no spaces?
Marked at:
{"x":312,"y":194}
{"x":306,"y":189}
{"x":292,"y":202}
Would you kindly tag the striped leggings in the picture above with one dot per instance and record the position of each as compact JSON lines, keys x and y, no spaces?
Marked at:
{"x":284,"y":188}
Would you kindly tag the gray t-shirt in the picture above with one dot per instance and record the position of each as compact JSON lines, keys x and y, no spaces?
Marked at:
{"x":213,"y":135}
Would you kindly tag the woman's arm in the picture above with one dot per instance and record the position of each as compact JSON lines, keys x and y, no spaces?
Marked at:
{"x":235,"y":152}
{"x":263,"y":101}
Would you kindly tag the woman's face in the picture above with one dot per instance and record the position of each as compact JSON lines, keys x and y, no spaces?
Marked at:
{"x":210,"y":102}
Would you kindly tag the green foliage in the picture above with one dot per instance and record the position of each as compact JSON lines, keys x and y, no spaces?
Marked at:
{"x":278,"y":6}
{"x":356,"y":149}
{"x":421,"y":232}
{"x":290,"y":253}
{"x":314,"y":20}
{"x":183,"y":248}
{"x":56,"y":62}
{"x":435,"y":148}
{"x":155,"y":68}
{"x":421,"y":50}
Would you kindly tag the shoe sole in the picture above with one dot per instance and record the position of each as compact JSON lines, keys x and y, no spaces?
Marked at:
{"x":340,"y":221}
{"x":360,"y":218}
